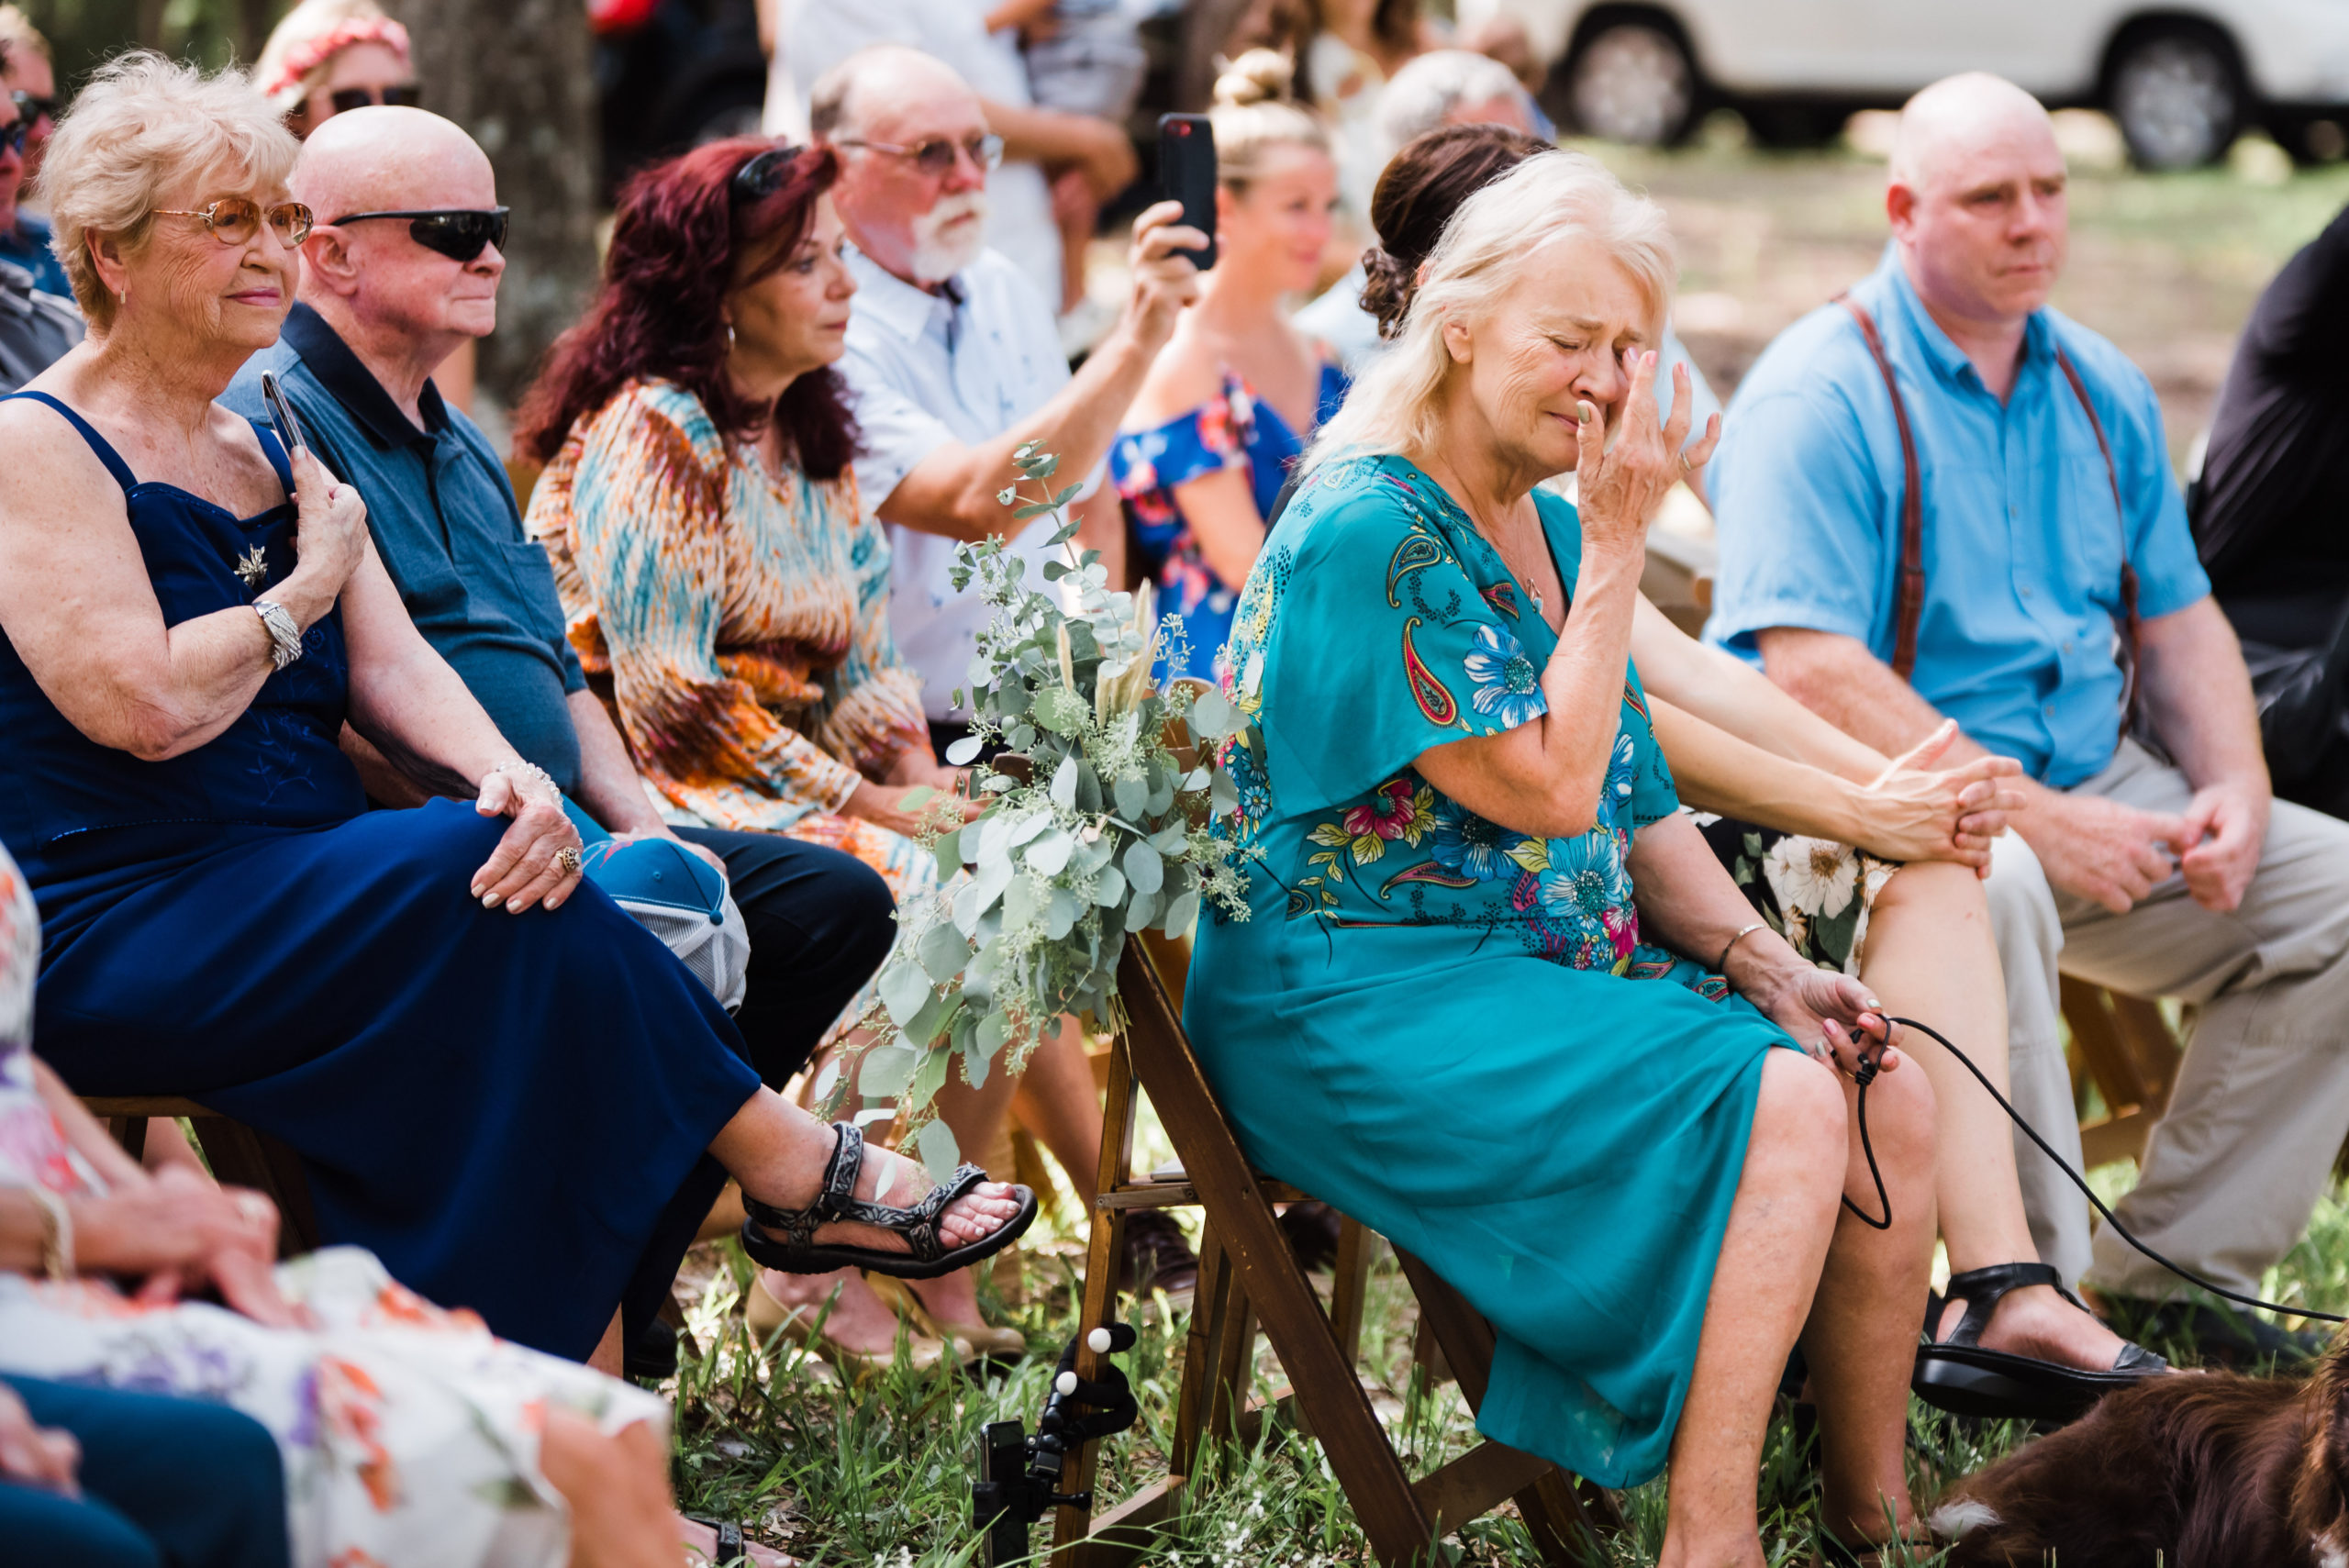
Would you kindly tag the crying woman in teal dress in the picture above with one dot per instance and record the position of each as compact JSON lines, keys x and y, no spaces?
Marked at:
{"x":1494,"y":996}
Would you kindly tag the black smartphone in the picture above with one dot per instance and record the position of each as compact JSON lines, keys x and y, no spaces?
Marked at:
{"x":1187,"y":175}
{"x":280,"y":413}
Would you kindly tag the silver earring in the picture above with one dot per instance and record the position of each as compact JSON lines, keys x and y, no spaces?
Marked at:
{"x":729,"y":334}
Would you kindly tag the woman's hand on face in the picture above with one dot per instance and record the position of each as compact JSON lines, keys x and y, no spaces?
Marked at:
{"x":1833,"y":1017}
{"x":883,"y":805}
{"x":1620,"y":488}
{"x":525,"y":868}
{"x":331,"y":527}
{"x":1916,"y":812}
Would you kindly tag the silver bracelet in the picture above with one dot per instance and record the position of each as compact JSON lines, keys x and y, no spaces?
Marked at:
{"x":284,"y":633}
{"x":519,"y":766}
{"x":1720,"y":965}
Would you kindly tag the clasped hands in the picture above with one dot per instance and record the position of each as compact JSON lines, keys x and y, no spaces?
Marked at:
{"x":2116,"y":855}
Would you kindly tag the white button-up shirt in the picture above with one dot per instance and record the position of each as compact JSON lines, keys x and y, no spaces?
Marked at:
{"x":963,"y":365}
{"x":818,"y":34}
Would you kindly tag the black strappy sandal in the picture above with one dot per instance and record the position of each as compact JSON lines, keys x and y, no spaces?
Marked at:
{"x":728,"y":1546}
{"x":784,"y":1238}
{"x":1959,"y":1375}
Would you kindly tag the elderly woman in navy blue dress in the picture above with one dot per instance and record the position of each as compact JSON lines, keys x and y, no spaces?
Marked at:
{"x":497,"y":1081}
{"x":1236,"y":394}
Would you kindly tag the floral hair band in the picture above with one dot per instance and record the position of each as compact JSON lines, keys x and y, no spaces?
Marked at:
{"x":307,"y":57}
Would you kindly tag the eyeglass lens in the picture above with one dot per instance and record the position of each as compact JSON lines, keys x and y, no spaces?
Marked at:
{"x":938,"y":157}
{"x":13,"y":134}
{"x":234,"y":220}
{"x":29,"y":108}
{"x":460,"y":236}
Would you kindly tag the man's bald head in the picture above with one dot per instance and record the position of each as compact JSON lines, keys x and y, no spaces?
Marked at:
{"x":390,"y":295}
{"x":1958,"y":118}
{"x":385,"y":158}
{"x":1978,"y":200}
{"x":845,"y":99}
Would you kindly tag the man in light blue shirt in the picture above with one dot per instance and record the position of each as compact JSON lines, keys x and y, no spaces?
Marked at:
{"x":2156,"y":875}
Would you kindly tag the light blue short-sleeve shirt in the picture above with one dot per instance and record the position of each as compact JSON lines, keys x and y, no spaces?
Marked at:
{"x":2022,"y":537}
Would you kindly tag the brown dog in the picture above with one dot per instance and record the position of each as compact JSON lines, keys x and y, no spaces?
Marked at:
{"x":2194,"y":1470}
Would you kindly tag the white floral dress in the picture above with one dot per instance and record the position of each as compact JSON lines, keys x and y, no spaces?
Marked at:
{"x":409,"y":1433}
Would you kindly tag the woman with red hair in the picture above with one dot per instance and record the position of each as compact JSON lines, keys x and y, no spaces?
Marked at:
{"x":718,"y":570}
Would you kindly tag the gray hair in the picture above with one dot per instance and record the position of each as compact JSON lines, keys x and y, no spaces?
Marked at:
{"x":1423,"y":93}
{"x":142,"y":126}
{"x":1549,"y":197}
{"x":829,"y":99}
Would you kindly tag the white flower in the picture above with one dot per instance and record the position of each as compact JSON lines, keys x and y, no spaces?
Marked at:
{"x":1812,"y":876}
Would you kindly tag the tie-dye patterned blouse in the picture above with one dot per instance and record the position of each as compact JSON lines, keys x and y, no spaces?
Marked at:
{"x":743,"y":619}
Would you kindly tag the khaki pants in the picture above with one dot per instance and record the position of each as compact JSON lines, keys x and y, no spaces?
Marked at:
{"x":2262,"y":1101}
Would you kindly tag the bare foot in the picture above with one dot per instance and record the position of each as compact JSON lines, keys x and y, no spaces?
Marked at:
{"x":951,"y":1300}
{"x":700,"y":1542}
{"x":859,"y":1322}
{"x":887,"y":1177}
{"x":2035,"y":1322}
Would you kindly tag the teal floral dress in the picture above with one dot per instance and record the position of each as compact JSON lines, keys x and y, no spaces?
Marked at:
{"x":1450,"y":1030}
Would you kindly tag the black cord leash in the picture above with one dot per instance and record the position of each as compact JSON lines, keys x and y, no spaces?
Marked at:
{"x":1869,"y":1068}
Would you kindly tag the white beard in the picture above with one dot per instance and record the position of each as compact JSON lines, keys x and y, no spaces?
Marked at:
{"x":935,"y":260}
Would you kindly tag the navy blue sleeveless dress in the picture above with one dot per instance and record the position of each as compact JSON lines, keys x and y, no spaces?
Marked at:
{"x":500,"y":1106}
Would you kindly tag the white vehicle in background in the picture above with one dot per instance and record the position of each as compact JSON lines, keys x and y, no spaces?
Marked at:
{"x":2181,"y":80}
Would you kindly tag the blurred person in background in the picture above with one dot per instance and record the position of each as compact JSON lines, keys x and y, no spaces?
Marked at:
{"x":1352,"y":50}
{"x":2271,"y":515}
{"x":29,"y":84}
{"x":1034,"y":145}
{"x":36,"y":327}
{"x":1232,"y":400}
{"x":2060,"y":604}
{"x":953,"y":365}
{"x":327,"y":57}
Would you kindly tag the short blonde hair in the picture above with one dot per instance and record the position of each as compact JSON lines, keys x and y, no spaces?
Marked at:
{"x":1253,"y":113}
{"x":300,"y":52}
{"x":143,"y":125}
{"x":1549,"y":197}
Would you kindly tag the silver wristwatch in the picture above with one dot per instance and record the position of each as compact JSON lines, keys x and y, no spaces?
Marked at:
{"x":283,"y":633}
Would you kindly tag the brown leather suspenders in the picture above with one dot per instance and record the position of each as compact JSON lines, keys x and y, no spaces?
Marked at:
{"x":1908,"y":598}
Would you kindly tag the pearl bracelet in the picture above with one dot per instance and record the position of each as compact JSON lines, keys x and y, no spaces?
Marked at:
{"x":519,"y":766}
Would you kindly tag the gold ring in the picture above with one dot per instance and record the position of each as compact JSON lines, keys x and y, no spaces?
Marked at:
{"x":566,"y":861}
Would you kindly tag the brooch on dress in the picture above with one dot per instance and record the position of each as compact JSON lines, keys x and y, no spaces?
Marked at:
{"x":253,"y":569}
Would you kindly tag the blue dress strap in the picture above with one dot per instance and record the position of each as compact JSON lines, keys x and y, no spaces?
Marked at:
{"x":98,"y":444}
{"x":272,"y":447}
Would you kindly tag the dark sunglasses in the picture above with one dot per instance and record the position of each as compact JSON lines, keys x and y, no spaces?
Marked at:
{"x":350,"y":98}
{"x":935,"y":157}
{"x":13,"y":134}
{"x":29,"y":108}
{"x":459,"y":233}
{"x":234,"y":220}
{"x":764,"y":174}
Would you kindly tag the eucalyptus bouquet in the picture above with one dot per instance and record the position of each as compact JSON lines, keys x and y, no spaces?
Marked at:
{"x":1096,"y":826}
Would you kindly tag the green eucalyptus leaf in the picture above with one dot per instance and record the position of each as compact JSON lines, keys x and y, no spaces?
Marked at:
{"x":1064,"y":785}
{"x":1181,"y":913}
{"x":935,"y":1017}
{"x":917,"y":797}
{"x":1212,"y":717}
{"x":1064,"y":533}
{"x":1054,"y":570}
{"x":963,"y":753}
{"x":977,"y":1058}
{"x":966,"y":908}
{"x":1132,"y":795}
{"x":1143,"y":913}
{"x":885,"y":1071}
{"x":904,"y":988}
{"x":1109,"y":887}
{"x":930,"y":1076}
{"x":1050,"y":852}
{"x":942,"y":951}
{"x":1223,"y":795}
{"x":1060,"y":916}
{"x":940,"y":1152}
{"x":1022,"y":738}
{"x":1032,"y":509}
{"x":992,"y":879}
{"x":1028,"y":826}
{"x":1019,"y":902}
{"x":1088,"y":789}
{"x":1143,"y":868}
{"x":948,"y":851}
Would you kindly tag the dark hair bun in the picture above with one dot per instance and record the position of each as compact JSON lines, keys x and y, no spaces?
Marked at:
{"x":1422,"y":186}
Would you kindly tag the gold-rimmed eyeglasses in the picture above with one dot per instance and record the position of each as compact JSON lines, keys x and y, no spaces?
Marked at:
{"x":934,"y":155}
{"x":234,"y":220}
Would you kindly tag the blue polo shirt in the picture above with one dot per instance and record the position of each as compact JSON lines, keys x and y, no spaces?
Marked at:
{"x":444,"y":521}
{"x":26,"y":244}
{"x":2022,"y":541}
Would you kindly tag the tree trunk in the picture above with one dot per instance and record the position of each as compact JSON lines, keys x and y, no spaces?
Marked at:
{"x":515,"y":74}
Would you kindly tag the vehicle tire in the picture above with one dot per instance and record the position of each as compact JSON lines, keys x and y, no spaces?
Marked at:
{"x":2178,"y":93}
{"x":1632,"y":82}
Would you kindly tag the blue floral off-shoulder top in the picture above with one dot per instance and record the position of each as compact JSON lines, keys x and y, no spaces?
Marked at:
{"x":1236,"y":430}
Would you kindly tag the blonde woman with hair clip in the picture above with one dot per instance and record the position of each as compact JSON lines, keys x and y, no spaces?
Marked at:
{"x":1237,"y":392}
{"x":1495,"y":998}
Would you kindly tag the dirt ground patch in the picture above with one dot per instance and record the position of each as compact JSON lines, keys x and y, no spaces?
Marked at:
{"x":2167,"y":266}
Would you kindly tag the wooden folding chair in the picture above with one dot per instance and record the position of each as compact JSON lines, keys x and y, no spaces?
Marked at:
{"x":1249,"y":1278}
{"x":2123,"y":1046}
{"x":239,"y":1156}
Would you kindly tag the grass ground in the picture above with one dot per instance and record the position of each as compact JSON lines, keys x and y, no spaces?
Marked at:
{"x":877,"y":1474}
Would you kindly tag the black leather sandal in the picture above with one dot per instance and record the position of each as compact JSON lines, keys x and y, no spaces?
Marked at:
{"x":1959,"y":1375}
{"x":784,"y":1238}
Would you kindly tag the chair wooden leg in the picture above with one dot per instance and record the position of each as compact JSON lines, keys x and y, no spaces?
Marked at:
{"x":130,"y":1131}
{"x":1350,"y":1294}
{"x":1328,"y":1391}
{"x":1101,"y":1261}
